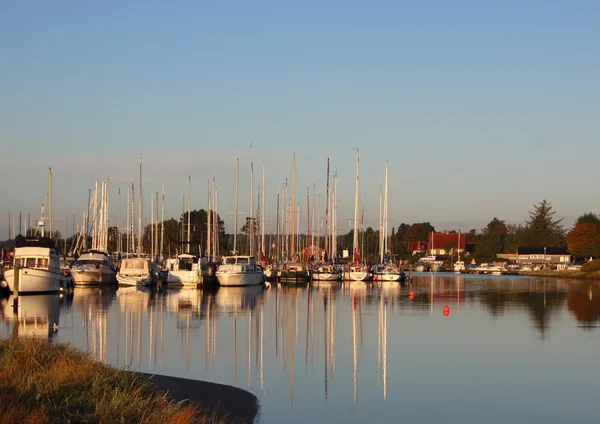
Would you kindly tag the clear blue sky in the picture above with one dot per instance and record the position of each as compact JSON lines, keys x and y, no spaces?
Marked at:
{"x":482,"y":108}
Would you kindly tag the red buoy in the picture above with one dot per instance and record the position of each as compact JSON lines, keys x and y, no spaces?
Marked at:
{"x":446,"y":310}
{"x":411,"y":295}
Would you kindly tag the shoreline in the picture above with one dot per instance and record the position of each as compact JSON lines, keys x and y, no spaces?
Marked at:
{"x":572,"y":275}
{"x":230,"y":404}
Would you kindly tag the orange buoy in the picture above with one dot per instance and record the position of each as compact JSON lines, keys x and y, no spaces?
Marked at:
{"x":411,"y":295}
{"x":446,"y":310}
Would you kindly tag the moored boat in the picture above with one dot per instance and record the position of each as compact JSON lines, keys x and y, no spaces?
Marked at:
{"x":238,"y":270}
{"x":325,"y":272}
{"x":38,"y":262}
{"x":93,"y":267}
{"x":294,"y":273}
{"x":138,"y":272}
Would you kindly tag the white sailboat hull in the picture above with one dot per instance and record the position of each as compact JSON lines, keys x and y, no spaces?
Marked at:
{"x":325,"y":276}
{"x":32,"y":281}
{"x":387,"y":276}
{"x":356,"y":275}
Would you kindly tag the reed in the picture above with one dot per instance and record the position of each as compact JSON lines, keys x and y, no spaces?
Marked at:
{"x":42,"y":382}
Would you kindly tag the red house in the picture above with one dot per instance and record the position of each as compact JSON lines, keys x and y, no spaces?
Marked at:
{"x":446,"y":243}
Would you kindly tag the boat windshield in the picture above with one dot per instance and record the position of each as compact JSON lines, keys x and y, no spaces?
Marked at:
{"x":133,"y":264}
{"x":236,"y":260}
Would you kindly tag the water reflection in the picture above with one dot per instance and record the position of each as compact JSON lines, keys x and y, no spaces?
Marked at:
{"x":36,"y":316}
{"x":583,"y":301}
{"x":354,"y":350}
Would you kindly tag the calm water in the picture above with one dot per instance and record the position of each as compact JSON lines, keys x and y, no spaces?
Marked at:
{"x":507,"y":349}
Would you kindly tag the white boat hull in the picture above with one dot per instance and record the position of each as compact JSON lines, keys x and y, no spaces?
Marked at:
{"x":387,"y":276}
{"x":240,"y":279}
{"x":33,"y":281}
{"x":356,"y":275}
{"x":325,"y":276}
{"x":128,"y":280}
{"x":185,"y":278}
{"x":92,"y":276}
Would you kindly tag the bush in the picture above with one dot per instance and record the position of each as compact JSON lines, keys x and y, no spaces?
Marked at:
{"x":591,"y":266}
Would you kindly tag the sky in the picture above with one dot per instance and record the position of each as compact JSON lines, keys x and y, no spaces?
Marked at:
{"x":482,"y":109}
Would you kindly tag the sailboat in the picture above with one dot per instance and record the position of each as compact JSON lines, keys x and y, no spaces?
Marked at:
{"x":459,"y":265}
{"x":237,"y":270}
{"x":356,"y":271}
{"x":385,"y":270}
{"x":95,"y":266}
{"x":294,"y":272}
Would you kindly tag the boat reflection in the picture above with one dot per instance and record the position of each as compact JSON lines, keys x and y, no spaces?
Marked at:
{"x":36,"y":316}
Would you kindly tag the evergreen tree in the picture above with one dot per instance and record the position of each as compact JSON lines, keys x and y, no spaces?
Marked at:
{"x":588,"y":218}
{"x":542,"y":228}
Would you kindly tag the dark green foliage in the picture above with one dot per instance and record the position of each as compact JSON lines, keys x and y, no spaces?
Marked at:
{"x":542,"y":229}
{"x":591,"y":266}
{"x":588,"y":218}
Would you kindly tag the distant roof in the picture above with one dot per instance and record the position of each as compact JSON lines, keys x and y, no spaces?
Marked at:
{"x":535,"y":250}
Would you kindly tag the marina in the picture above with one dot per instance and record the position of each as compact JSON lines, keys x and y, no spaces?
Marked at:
{"x":349,"y":350}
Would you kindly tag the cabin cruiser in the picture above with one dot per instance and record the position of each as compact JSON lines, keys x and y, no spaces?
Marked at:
{"x":238,"y":270}
{"x":185,"y":269}
{"x":38,"y":262}
{"x":92,"y":268}
{"x":137,"y":272}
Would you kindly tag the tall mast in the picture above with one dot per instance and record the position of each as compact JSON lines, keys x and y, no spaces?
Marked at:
{"x":380,"y":223}
{"x":162,"y":224}
{"x":385,"y":210}
{"x":95,"y":217}
{"x":334,"y":229}
{"x":355,"y":239}
{"x":208,"y":222}
{"x":127,"y":219}
{"x":50,"y":200}
{"x":140,"y":213}
{"x":314,"y":221}
{"x":308,"y":218}
{"x":216,"y":222}
{"x":156,"y":225}
{"x":327,"y":209}
{"x":152,"y":223}
{"x":293,"y":214}
{"x":119,"y":237}
{"x":235,"y":213}
{"x":251,"y":213}
{"x":262,"y":211}
{"x":106,"y":214}
{"x":189,"y":217}
{"x":277,"y":238}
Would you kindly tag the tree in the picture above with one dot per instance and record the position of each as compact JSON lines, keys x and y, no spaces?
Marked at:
{"x":542,"y":229}
{"x":584,"y":240}
{"x":492,"y":239}
{"x":590,"y":218}
{"x":419,"y":231}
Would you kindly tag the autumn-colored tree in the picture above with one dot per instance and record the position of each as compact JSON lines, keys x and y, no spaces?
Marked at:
{"x":584,"y":240}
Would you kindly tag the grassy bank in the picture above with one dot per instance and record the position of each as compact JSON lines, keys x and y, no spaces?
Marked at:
{"x":54,"y":383}
{"x":578,"y":275}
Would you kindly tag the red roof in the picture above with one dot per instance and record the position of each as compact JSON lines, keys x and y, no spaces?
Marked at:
{"x":443,"y":240}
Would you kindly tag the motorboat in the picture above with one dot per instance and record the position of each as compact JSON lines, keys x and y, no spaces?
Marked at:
{"x":37,"y":261}
{"x":92,"y":268}
{"x":238,"y":270}
{"x":138,"y":272}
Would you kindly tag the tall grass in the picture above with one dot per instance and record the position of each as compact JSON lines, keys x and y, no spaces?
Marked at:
{"x":42,"y":382}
